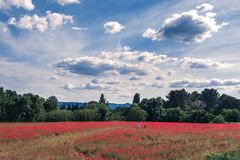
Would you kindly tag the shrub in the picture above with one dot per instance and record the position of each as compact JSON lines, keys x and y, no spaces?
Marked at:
{"x":218,"y":119}
{"x":110,"y":155}
{"x":174,"y":115}
{"x":200,"y":116}
{"x":87,"y":150}
{"x":231,"y":115}
{"x":85,"y":115}
{"x":136,"y":114}
{"x":58,"y":115}
{"x":234,"y":155}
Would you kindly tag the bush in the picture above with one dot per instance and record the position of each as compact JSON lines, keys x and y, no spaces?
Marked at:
{"x":218,"y":119}
{"x":110,"y":155}
{"x":136,"y":113}
{"x":58,"y":115}
{"x":234,"y":155}
{"x":85,"y":115}
{"x":174,"y":115}
{"x":231,"y":115}
{"x":200,"y":116}
{"x":87,"y":150}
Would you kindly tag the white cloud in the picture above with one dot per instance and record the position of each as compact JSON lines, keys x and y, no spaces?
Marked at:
{"x":151,"y":34}
{"x":160,"y":77}
{"x":58,"y":19}
{"x":205,"y":7}
{"x":69,"y":86}
{"x":157,"y":85}
{"x":134,"y":78}
{"x":138,"y":56}
{"x":41,"y":24}
{"x":79,"y":28}
{"x":30,"y":23}
{"x":94,"y":66}
{"x":113,"y":27}
{"x":54,"y":78}
{"x":194,"y":83}
{"x":67,"y":2}
{"x":196,"y":63}
{"x":26,"y":4}
{"x":3,"y":27}
{"x":134,"y":63}
{"x":87,"y":86}
{"x":187,"y":27}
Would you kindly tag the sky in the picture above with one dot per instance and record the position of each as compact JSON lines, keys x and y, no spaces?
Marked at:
{"x":78,"y":49}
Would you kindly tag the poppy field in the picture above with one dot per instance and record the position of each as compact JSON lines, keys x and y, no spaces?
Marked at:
{"x":115,"y":140}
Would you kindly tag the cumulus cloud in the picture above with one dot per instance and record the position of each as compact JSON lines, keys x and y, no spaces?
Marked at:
{"x":58,"y":19}
{"x":67,"y":2}
{"x":110,"y":81}
{"x":195,"y":25}
{"x":205,"y":7}
{"x":69,"y":87}
{"x":151,"y":33}
{"x":3,"y":27}
{"x":196,"y":63}
{"x":157,"y":85}
{"x":79,"y":28}
{"x":138,"y":56}
{"x":160,"y":78}
{"x":41,"y":24}
{"x":134,"y":78}
{"x":189,"y":83}
{"x":113,"y":27}
{"x":94,"y":66}
{"x":26,"y":4}
{"x":30,"y":22}
{"x":87,"y":86}
{"x":133,"y":63}
{"x":54,"y":78}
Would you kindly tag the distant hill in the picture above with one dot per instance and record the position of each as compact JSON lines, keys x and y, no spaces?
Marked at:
{"x":81,"y":104}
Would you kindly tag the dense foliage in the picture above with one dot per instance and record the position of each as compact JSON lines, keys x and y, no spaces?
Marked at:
{"x":233,"y":155}
{"x":179,"y":106}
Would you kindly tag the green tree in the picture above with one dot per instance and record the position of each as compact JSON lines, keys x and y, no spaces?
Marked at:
{"x":200,"y":116}
{"x":231,"y":115}
{"x":174,"y":115}
{"x":218,"y":119}
{"x":85,"y":115}
{"x":178,"y":98}
{"x":102,"y":99}
{"x":210,"y":97}
{"x":136,"y":113}
{"x":136,"y":98}
{"x":51,"y":104}
{"x":58,"y":115}
{"x":104,"y":112}
{"x":227,"y":102}
{"x":154,"y":108}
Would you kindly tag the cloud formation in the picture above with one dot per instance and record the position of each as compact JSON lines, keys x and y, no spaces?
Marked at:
{"x":41,"y":24}
{"x":79,"y":28}
{"x":195,"y":25}
{"x":87,"y":86}
{"x":94,"y":66}
{"x":133,"y":63}
{"x":8,"y":4}
{"x":67,"y":2}
{"x":196,"y":63}
{"x":113,"y":27}
{"x":189,"y":83}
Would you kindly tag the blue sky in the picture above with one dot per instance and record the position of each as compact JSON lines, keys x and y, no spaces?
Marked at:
{"x":77,"y":49}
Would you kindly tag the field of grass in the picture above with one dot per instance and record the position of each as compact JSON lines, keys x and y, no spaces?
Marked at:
{"x":115,"y":140}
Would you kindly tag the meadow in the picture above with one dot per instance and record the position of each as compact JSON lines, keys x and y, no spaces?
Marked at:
{"x":115,"y":140}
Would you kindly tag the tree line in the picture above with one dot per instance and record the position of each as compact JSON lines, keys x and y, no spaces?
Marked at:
{"x":179,"y":106}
